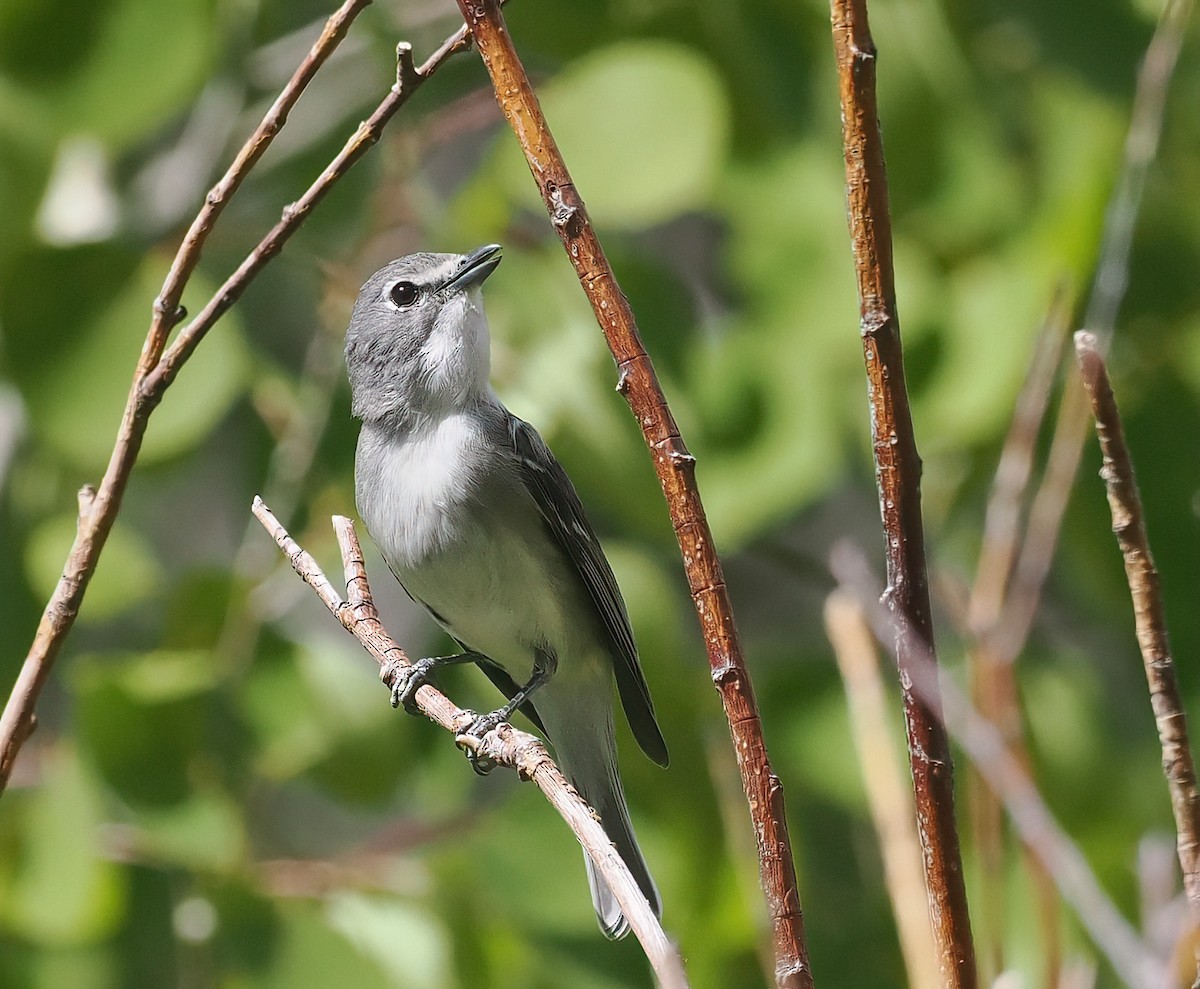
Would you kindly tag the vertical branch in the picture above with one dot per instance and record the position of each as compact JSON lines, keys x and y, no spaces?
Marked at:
{"x":891,"y":808}
{"x":1128,"y":522}
{"x":898,"y":475}
{"x":676,"y":472}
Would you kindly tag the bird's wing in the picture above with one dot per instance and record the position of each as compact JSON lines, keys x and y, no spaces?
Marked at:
{"x":546,"y":481}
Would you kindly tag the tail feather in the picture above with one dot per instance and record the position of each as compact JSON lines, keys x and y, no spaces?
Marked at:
{"x":614,"y":818}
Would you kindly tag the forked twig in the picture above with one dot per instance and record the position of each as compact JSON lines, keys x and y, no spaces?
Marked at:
{"x":676,"y":472}
{"x":157,"y":367}
{"x":505,"y":745}
{"x":898,"y":475}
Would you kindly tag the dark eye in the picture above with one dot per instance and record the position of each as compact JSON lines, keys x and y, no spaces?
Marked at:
{"x":403,"y":294}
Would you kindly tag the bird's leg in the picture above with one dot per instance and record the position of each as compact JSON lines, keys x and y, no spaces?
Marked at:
{"x":484,"y":723}
{"x":407,"y":678}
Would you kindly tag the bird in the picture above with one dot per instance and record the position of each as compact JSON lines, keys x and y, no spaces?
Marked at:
{"x":481,"y":525}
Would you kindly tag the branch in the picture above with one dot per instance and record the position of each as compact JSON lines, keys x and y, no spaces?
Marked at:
{"x":898,"y":475}
{"x":1034,"y":822}
{"x":993,"y":680}
{"x":676,"y":472}
{"x":1128,"y":522}
{"x":891,"y":807}
{"x":505,"y":745}
{"x":1108,"y":289}
{"x":152,"y":378}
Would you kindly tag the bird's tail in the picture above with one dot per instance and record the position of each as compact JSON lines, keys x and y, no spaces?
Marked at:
{"x":602,"y":790}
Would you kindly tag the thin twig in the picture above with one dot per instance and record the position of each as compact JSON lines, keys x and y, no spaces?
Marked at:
{"x":1111,"y":934}
{"x":887,"y":795}
{"x":898,"y":475}
{"x":97,"y":516}
{"x":676,"y":472}
{"x":166,"y":312}
{"x":1002,"y":518}
{"x":1128,"y":522}
{"x":1108,"y":289}
{"x":504,"y":746}
{"x":993,"y":680}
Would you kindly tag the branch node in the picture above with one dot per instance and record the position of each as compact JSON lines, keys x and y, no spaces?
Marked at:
{"x":407,"y":75}
{"x":87,"y":498}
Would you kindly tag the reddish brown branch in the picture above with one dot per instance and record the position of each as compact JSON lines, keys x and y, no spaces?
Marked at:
{"x":98,"y":513}
{"x":1032,"y":819}
{"x":505,"y":745}
{"x":1128,"y":522}
{"x":879,"y":760}
{"x":898,"y":474}
{"x":676,"y":472}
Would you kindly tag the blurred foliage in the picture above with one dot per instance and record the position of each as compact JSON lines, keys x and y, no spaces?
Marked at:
{"x":218,"y":793}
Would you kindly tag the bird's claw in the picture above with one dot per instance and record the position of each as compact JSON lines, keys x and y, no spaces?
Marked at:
{"x":406,"y":679}
{"x":482,"y":724}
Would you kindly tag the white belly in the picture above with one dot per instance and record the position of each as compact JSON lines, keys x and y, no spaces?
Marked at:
{"x":476,"y":554}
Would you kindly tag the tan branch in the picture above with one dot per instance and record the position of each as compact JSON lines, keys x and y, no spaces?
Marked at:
{"x":890,"y":803}
{"x":153,"y":377}
{"x":505,"y":745}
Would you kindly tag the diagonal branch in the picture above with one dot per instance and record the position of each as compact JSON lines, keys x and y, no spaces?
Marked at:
{"x":1128,"y":522}
{"x":898,"y":475}
{"x":676,"y":472}
{"x":99,"y":507}
{"x":504,"y":745}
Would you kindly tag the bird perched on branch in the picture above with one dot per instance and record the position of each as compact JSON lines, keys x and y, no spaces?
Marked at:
{"x":481,"y":525}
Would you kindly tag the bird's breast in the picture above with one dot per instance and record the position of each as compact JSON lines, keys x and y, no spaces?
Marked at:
{"x":413,"y":490}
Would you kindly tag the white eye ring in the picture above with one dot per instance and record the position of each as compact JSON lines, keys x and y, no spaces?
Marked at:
{"x":403,"y":294}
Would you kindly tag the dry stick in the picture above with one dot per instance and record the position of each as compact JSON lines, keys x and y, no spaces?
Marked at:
{"x":993,"y":681}
{"x":891,"y":807}
{"x":505,"y":745}
{"x":98,"y":508}
{"x":1149,"y":616}
{"x":1039,"y":830}
{"x":898,"y":474}
{"x":676,"y":472}
{"x":1050,"y":502}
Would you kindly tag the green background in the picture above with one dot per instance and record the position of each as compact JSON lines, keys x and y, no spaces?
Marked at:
{"x":218,"y":793}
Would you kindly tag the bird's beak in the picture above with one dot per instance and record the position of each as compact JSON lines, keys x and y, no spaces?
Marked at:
{"x":476,"y":266}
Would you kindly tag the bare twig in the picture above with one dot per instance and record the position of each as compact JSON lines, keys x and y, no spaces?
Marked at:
{"x":1108,"y":289}
{"x":898,"y":475}
{"x":993,"y":680}
{"x":505,"y":745}
{"x":1110,"y":932}
{"x":151,"y":380}
{"x":1128,"y":522}
{"x":890,"y":803}
{"x":166,"y":307}
{"x":676,"y":472}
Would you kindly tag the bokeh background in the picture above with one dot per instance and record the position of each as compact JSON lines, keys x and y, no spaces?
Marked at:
{"x":219,"y":794}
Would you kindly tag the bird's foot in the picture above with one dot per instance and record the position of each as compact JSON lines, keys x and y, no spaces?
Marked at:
{"x":407,"y":678}
{"x":482,"y":724}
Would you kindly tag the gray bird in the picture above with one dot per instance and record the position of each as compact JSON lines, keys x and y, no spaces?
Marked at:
{"x":482,"y":526}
